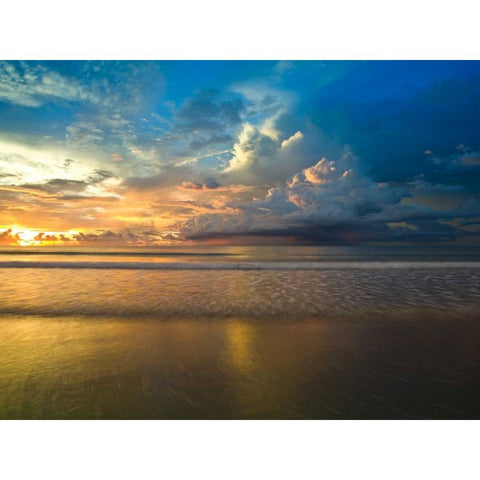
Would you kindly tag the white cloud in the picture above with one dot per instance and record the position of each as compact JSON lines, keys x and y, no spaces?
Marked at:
{"x":36,"y":165}
{"x":83,"y":135}
{"x":293,"y":139}
{"x":33,"y":85}
{"x":264,"y":155}
{"x":251,"y":146}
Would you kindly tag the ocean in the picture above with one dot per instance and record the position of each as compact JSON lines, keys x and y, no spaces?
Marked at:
{"x":240,"y":333}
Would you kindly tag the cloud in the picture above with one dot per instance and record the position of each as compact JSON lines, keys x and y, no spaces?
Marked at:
{"x":291,"y":140}
{"x":273,"y":151}
{"x":83,"y":135}
{"x":263,"y":99}
{"x":145,"y":235}
{"x":201,"y":143}
{"x":23,"y":163}
{"x":207,"y":185}
{"x":183,"y":207}
{"x":419,"y":185}
{"x":205,"y":121}
{"x":105,"y":100}
{"x":129,"y":236}
{"x":331,"y":201}
{"x":165,"y":176}
{"x":253,"y":150}
{"x":125,"y":88}
{"x":328,"y":192}
{"x":30,"y":85}
{"x":96,"y":185}
{"x":7,"y":237}
{"x":49,"y":175}
{"x":28,"y":190}
{"x":257,"y":150}
{"x":470,"y":159}
{"x":45,"y":237}
{"x":209,"y":111}
{"x":213,"y":185}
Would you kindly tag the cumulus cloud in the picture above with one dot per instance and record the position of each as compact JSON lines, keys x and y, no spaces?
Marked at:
{"x":333,"y":200}
{"x":251,"y":149}
{"x":296,"y":137}
{"x":272,"y":153}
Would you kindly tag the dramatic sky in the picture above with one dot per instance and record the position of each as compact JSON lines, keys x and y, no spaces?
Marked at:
{"x":154,"y":153}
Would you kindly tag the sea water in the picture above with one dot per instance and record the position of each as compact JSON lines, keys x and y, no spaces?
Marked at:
{"x":240,"y":332}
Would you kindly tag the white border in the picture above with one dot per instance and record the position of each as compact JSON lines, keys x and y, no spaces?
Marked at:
{"x":239,"y":450}
{"x":247,"y":29}
{"x":242,"y":29}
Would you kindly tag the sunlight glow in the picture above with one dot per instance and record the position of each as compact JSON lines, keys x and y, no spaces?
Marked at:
{"x":26,"y":237}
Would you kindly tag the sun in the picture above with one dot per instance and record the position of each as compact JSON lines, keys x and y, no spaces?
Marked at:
{"x":27,"y":237}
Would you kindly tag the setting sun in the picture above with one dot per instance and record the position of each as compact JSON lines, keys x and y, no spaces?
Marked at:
{"x":20,"y":236}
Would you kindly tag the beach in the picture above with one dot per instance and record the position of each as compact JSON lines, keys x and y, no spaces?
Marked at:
{"x":240,"y":334}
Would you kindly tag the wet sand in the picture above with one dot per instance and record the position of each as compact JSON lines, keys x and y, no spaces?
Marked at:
{"x":101,"y":368}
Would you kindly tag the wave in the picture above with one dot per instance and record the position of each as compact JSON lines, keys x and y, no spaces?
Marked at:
{"x":118,"y":254}
{"x":289,"y":266}
{"x":329,"y":290}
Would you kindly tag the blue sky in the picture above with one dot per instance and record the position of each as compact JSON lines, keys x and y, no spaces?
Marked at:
{"x":243,"y":151}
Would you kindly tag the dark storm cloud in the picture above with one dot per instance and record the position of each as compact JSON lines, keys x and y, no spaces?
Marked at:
{"x":206,"y":120}
{"x":209,"y":111}
{"x":350,"y":233}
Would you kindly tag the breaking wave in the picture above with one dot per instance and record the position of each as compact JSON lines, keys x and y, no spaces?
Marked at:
{"x":347,"y":290}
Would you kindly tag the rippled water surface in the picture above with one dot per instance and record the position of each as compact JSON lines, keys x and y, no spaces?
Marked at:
{"x":240,"y":333}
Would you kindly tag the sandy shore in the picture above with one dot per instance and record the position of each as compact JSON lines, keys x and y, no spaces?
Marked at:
{"x":80,"y":368}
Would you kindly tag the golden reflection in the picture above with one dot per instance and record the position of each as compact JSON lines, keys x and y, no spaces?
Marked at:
{"x":268,"y":365}
{"x":240,"y":336}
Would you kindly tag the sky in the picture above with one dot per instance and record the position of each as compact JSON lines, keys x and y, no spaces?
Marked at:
{"x":239,"y":152}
